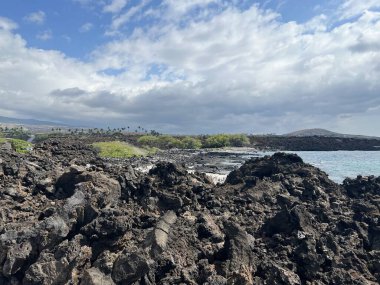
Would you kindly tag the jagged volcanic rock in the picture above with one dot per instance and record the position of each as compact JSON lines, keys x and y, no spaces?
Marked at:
{"x":69,"y":217}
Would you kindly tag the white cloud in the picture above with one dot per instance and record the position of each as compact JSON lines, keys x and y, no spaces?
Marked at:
{"x":233,"y":71}
{"x":28,"y":76}
{"x":44,"y":35}
{"x":167,"y":11}
{"x":86,"y":27}
{"x":353,"y":8}
{"x":7,"y":24}
{"x":182,"y":7}
{"x":36,"y":17}
{"x":248,"y":64}
{"x":124,"y":18}
{"x":115,"y":6}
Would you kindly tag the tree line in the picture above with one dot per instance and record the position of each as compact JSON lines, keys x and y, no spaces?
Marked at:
{"x":15,"y":133}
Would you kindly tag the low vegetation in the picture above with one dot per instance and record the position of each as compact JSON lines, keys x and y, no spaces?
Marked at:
{"x":148,"y":140}
{"x":145,"y":139}
{"x":215,"y":141}
{"x":19,"y":146}
{"x":168,"y":142}
{"x":239,"y":140}
{"x":224,"y":140}
{"x":163,"y":142}
{"x":118,"y":149}
{"x":189,"y":142}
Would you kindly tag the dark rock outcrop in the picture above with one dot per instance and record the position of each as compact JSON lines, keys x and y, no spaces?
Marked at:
{"x":69,"y":217}
{"x":315,"y":143}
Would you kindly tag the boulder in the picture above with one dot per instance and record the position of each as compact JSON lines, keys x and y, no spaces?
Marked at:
{"x":207,"y":228}
{"x":130,"y":267}
{"x":94,"y":276}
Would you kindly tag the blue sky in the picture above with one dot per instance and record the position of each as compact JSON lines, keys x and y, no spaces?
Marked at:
{"x":193,"y":66}
{"x":77,"y":27}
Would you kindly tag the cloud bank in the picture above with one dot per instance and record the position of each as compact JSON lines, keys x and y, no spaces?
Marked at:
{"x":206,"y":66}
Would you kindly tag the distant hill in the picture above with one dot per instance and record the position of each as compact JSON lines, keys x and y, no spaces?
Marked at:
{"x":33,"y":122}
{"x":32,"y":125}
{"x":324,"y":133}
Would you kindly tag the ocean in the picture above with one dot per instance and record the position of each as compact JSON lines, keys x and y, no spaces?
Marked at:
{"x":341,"y":164}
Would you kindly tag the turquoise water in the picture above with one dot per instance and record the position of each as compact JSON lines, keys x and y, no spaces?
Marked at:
{"x":341,"y":164}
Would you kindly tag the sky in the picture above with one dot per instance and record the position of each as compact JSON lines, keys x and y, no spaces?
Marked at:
{"x":193,"y":66}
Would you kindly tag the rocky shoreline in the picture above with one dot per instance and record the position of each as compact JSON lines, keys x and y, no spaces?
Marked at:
{"x":70,"y":217}
{"x":315,"y":143}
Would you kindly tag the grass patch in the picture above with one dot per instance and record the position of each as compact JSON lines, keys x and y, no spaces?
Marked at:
{"x":117,"y":149}
{"x":19,"y":146}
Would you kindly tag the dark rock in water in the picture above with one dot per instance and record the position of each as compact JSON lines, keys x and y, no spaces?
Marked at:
{"x":69,"y":217}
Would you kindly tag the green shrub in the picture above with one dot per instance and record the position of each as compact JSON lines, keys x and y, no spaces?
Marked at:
{"x":239,"y":140}
{"x":191,"y":143}
{"x":168,"y":142}
{"x":163,"y":142}
{"x":224,"y":140}
{"x":148,"y":140}
{"x":215,"y":141}
{"x":188,"y":142}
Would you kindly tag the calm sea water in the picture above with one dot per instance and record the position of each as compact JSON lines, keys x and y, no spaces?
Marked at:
{"x":341,"y":164}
